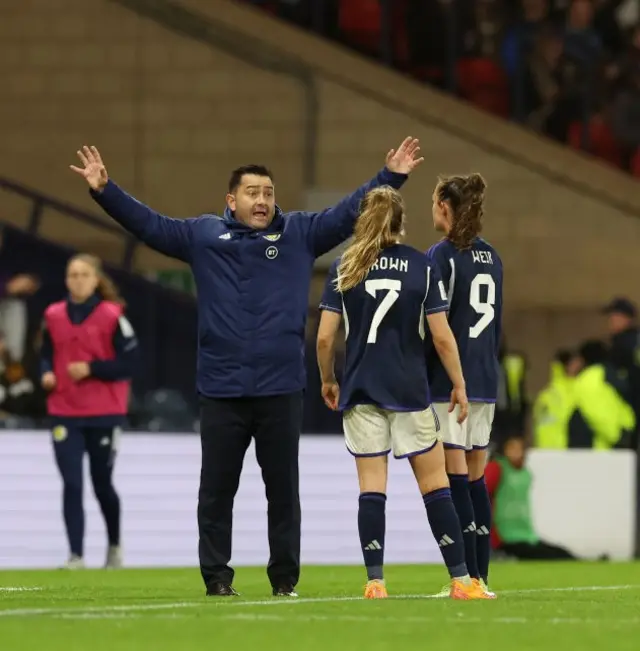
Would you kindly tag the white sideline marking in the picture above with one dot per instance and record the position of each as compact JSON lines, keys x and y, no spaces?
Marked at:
{"x":420,"y":620}
{"x":224,"y":603}
{"x":18,"y":588}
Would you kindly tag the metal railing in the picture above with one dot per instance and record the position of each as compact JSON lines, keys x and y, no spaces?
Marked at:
{"x":40,"y":202}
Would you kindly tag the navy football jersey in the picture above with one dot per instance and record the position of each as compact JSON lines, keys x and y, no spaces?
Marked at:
{"x":384,"y":319}
{"x":473,"y":282}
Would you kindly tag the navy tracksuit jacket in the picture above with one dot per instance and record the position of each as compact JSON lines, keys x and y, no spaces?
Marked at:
{"x":252,"y":285}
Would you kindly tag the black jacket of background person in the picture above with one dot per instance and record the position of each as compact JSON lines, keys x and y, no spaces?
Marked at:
{"x":252,"y":285}
{"x":624,"y":355}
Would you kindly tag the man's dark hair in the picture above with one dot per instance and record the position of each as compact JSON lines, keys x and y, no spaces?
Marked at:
{"x":564,"y":356}
{"x":593,"y":352}
{"x":236,"y":176}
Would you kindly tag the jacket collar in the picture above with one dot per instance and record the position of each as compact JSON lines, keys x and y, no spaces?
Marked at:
{"x":233,"y":224}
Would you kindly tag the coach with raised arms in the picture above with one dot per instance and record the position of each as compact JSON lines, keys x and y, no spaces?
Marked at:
{"x":252,"y":268}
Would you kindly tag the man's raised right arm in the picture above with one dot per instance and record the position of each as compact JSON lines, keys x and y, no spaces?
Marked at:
{"x":173,"y":237}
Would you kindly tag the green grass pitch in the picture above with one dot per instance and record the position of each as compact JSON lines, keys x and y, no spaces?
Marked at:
{"x":541,"y":606}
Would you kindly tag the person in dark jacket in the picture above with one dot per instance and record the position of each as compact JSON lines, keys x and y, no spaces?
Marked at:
{"x":88,"y":356}
{"x":253,"y":269}
{"x":624,"y":351}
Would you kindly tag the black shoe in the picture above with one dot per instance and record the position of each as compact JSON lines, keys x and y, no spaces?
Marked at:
{"x":285,"y":590}
{"x":219,"y":589}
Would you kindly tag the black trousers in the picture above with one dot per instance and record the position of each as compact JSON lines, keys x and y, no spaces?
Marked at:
{"x":227,"y":426}
{"x":540,"y":551}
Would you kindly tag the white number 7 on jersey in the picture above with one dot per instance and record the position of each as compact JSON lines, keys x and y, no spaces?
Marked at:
{"x":393,"y":288}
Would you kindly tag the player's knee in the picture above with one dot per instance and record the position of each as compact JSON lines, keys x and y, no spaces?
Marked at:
{"x":103,"y":488}
{"x":476,"y":463}
{"x":433,"y":482}
{"x":72,"y":486}
{"x":456,"y":462}
{"x":372,"y":474}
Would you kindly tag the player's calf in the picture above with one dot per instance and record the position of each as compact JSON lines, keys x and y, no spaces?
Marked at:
{"x":429,"y":469}
{"x":372,"y":474}
{"x":481,"y":501}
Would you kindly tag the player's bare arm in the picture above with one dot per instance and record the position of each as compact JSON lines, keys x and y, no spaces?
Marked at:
{"x":326,"y":352}
{"x":447,"y":349}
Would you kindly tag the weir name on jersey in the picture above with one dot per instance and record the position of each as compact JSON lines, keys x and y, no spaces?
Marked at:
{"x":484,"y":257}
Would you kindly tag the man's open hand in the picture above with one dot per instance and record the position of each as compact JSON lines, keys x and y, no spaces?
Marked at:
{"x":93,"y":169}
{"x":406,"y":158}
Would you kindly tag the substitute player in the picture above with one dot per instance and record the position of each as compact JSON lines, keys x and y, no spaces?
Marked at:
{"x":88,"y":355}
{"x":471,"y":271}
{"x":384,"y":290}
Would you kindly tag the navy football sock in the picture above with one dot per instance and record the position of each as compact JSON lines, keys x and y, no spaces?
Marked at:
{"x":74,"y":517}
{"x":371,"y":526}
{"x":464,"y":508}
{"x":482,"y":510}
{"x":446,"y":530}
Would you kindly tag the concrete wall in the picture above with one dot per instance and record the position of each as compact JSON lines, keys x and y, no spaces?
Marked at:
{"x":171,"y":116}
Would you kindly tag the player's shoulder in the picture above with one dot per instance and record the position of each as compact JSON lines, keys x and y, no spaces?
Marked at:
{"x":333,"y":267}
{"x":441,"y":250}
{"x":485,"y":245}
{"x":59,"y":307}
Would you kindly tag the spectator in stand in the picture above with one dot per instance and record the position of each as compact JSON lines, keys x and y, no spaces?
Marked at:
{"x":483,"y":37}
{"x":606,"y":24}
{"x":625,"y":112}
{"x":545,"y":86}
{"x":520,"y":40}
{"x":582,"y":42}
{"x":509,"y":484}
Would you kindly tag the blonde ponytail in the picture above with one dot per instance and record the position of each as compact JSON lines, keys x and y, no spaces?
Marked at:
{"x":106,"y":287}
{"x":379,"y":225}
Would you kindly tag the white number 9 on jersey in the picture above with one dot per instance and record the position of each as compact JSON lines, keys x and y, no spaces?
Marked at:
{"x":483,"y":307}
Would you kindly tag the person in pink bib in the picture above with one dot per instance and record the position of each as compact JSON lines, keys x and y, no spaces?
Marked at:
{"x":89,"y":352}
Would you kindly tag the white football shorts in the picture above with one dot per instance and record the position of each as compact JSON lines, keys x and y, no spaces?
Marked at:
{"x":474,"y":433}
{"x":371,"y":431}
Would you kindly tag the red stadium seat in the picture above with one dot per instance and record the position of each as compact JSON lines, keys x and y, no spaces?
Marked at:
{"x":360,"y":21}
{"x":483,"y":82}
{"x":601,"y":141}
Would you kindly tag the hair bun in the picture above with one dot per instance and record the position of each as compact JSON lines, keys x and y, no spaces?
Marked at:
{"x":476,"y":183}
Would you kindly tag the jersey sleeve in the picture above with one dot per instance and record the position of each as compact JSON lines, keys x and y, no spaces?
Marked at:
{"x":436,"y":298}
{"x":437,"y":257}
{"x":331,"y":297}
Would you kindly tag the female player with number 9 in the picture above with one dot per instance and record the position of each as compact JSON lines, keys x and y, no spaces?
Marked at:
{"x":385,"y":291}
{"x":471,"y":271}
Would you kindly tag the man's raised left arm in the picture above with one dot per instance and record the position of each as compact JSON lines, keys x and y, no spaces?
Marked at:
{"x":330,"y":227}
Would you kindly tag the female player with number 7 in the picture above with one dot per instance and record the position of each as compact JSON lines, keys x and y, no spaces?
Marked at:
{"x":387,"y":293}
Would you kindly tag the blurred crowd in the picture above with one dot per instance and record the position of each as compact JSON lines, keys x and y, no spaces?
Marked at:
{"x":567,"y":68}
